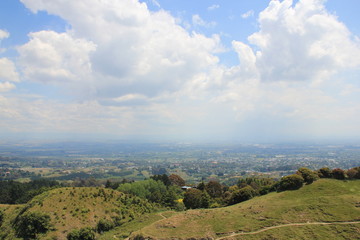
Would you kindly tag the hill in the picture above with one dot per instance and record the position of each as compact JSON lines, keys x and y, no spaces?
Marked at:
{"x":74,"y":208}
{"x":326,"y":209}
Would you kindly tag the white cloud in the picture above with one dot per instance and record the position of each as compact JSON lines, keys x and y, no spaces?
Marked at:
{"x":4,"y":34}
{"x":248,"y":14}
{"x":6,"y":86}
{"x":303,"y":42}
{"x":8,"y":70}
{"x":55,"y":57}
{"x":142,"y":73}
{"x":137,"y":51}
{"x":198,"y":21}
{"x":213,"y":7}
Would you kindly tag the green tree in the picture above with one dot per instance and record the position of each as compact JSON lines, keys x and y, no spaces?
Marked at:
{"x":242,"y":194}
{"x":291,"y":182}
{"x":195,"y":198}
{"x":104,"y":225}
{"x":86,"y":233}
{"x":308,"y":175}
{"x":214,"y":189}
{"x":30,"y":224}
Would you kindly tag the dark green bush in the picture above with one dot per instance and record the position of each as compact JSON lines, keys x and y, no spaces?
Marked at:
{"x":30,"y":224}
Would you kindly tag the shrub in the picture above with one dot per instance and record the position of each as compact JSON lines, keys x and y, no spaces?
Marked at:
{"x":242,"y":194}
{"x":86,"y":233}
{"x":291,"y":182}
{"x":354,"y":173}
{"x":324,"y":172}
{"x":30,"y":224}
{"x":104,"y":225}
{"x":338,"y":173}
{"x":308,"y":175}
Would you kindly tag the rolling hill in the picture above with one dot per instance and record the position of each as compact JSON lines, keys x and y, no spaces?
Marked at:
{"x":326,"y":209}
{"x":74,"y":208}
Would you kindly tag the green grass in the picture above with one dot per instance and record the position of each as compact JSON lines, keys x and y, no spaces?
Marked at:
{"x":73,"y":208}
{"x":326,"y":200}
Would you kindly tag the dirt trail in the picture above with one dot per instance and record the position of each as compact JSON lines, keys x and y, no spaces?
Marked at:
{"x":286,"y":225}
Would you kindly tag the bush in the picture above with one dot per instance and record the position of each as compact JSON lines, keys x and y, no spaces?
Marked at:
{"x":104,"y":225}
{"x":324,"y":172}
{"x":308,"y":175}
{"x":338,"y":173}
{"x":354,"y":173}
{"x":242,"y":194}
{"x":30,"y":224}
{"x":291,"y":182}
{"x":86,"y":233}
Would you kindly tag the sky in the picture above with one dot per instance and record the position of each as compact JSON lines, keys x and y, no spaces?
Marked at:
{"x":180,"y":70}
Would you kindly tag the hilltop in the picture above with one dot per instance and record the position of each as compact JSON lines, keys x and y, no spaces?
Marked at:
{"x":306,"y":209}
{"x":74,"y":208}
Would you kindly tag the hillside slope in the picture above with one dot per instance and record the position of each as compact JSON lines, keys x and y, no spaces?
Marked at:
{"x":73,"y":208}
{"x":324,"y":201}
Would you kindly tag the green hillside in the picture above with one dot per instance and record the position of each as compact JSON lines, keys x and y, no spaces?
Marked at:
{"x":299,"y":214}
{"x":74,"y":208}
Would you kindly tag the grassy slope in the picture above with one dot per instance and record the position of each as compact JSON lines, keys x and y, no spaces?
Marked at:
{"x":71,"y":208}
{"x":326,"y":200}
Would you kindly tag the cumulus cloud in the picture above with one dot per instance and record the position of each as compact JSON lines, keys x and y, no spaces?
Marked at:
{"x":146,"y":74}
{"x":302,"y":42}
{"x":55,"y":57}
{"x":137,"y":51}
{"x":8,"y":70}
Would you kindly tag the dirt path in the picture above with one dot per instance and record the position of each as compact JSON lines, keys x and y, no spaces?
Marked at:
{"x":286,"y":225}
{"x":161,"y":215}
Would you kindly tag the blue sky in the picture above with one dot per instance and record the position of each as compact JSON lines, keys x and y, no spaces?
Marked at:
{"x":250,"y":71}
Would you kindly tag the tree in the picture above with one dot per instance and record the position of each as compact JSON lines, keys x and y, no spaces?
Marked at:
{"x":338,"y":173}
{"x":86,"y":233}
{"x":104,"y":225}
{"x":242,"y":194}
{"x":324,"y":172}
{"x":30,"y":224}
{"x":308,"y":175}
{"x":163,"y":178}
{"x":291,"y":182}
{"x":214,"y":189}
{"x":195,"y":198}
{"x":176,"y":180}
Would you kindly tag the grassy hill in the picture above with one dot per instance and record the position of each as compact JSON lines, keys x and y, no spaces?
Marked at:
{"x":326,"y":209}
{"x":73,"y":208}
{"x":324,"y":201}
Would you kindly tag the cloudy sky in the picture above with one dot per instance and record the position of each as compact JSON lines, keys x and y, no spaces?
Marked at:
{"x":180,"y":70}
